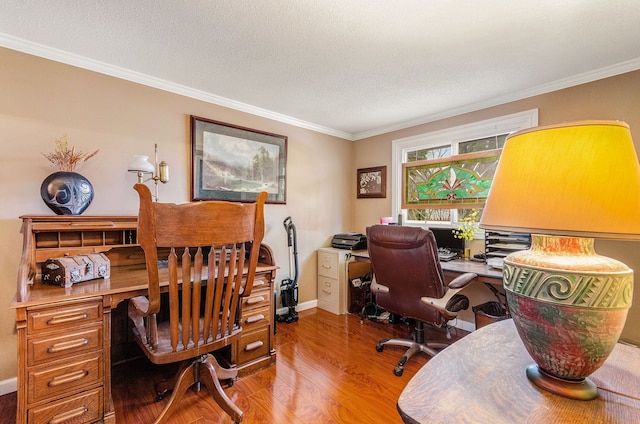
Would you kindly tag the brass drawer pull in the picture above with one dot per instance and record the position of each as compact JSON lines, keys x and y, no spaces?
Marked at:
{"x":67,"y":378}
{"x":326,"y":266}
{"x":69,"y":415}
{"x":255,"y":318}
{"x":326,"y":291}
{"x":61,"y":319}
{"x":72,"y":344}
{"x":253,"y":346}
{"x":254,"y":300}
{"x":257,"y":283}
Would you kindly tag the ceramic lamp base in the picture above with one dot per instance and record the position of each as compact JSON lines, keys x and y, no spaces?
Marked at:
{"x":569,"y":306}
{"x":583,"y":389}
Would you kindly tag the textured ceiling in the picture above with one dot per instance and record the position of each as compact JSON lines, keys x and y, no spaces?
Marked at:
{"x":351,"y":68}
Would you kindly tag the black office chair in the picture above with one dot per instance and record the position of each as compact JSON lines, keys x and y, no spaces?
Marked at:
{"x":408,"y":281}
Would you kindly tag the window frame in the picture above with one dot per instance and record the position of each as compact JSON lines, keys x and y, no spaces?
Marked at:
{"x":449,"y":136}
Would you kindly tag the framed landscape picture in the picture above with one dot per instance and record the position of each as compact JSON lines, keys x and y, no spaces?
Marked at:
{"x":234,"y":163}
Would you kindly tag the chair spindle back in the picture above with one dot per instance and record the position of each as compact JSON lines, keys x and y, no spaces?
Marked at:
{"x":206,"y":247}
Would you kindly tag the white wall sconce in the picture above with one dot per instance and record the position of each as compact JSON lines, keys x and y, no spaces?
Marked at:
{"x":159,"y":171}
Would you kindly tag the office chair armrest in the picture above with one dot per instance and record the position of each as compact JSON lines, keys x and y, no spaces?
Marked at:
{"x":462,"y":280}
{"x":378,"y":288}
{"x":455,"y":286}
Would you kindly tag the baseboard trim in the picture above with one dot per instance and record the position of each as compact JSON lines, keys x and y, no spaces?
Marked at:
{"x":300,"y":307}
{"x":307,"y":305}
{"x":466,"y":325}
{"x":9,"y":385}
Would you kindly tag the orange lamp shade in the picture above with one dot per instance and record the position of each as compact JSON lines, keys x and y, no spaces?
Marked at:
{"x":579,"y":179}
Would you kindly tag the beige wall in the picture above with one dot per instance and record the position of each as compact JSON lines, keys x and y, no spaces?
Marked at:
{"x":612,"y":98}
{"x":42,"y":100}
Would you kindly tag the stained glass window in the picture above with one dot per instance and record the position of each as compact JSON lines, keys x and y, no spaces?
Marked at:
{"x":460,"y":181}
{"x":489,"y":134}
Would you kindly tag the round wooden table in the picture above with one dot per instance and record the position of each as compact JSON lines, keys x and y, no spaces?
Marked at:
{"x":481,"y":379}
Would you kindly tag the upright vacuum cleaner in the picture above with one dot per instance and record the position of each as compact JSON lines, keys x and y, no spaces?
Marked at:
{"x":289,"y":286}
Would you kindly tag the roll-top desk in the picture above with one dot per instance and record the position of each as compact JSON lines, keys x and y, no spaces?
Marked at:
{"x":65,"y":334}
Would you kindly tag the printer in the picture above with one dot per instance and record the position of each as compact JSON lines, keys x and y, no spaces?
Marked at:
{"x":349,"y":241}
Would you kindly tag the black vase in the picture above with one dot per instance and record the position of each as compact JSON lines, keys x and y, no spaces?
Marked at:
{"x":66,"y":193}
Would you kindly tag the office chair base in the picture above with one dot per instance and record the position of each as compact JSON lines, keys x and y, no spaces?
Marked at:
{"x":413,"y":348}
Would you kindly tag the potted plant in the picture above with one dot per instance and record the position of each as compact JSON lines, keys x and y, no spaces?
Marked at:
{"x":466,"y":230}
{"x":66,"y":192}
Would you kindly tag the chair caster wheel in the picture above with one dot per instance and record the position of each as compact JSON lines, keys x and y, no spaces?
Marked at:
{"x":231,"y":381}
{"x":160,"y":396}
{"x":379,"y":347}
{"x":397,"y":371}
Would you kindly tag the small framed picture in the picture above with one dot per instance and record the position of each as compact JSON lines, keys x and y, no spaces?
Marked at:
{"x":372,"y":182}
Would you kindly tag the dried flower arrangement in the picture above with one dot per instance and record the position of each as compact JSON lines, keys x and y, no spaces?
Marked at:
{"x":65,"y":158}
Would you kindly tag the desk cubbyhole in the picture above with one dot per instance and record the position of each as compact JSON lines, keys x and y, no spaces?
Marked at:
{"x":47,"y":240}
{"x":93,"y":238}
{"x":71,"y":239}
{"x":114,"y":238}
{"x":122,"y":237}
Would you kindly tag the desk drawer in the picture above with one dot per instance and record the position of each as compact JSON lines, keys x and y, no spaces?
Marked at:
{"x":83,"y":408}
{"x":50,"y":380}
{"x":253,"y":345}
{"x":260,"y":282}
{"x":328,"y":264}
{"x":42,"y":350}
{"x":328,"y":290}
{"x":255,"y":318}
{"x":63,"y":317}
{"x":257,"y":299}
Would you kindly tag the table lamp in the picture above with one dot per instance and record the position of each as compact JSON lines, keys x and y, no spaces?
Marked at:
{"x":566,"y":185}
{"x":158,"y":171}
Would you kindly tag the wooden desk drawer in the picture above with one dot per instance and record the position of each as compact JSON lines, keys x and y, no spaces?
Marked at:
{"x":257,"y":299}
{"x":42,"y":350}
{"x":255,"y":318}
{"x":253,"y":345}
{"x":83,"y":408}
{"x":49,"y":380}
{"x":328,"y":264}
{"x":62,"y":317}
{"x":260,"y":282}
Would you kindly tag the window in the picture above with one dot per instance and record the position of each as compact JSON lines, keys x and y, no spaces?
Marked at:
{"x":484,"y":135}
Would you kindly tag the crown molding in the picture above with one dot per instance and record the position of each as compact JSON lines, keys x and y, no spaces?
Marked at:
{"x":61,"y":56}
{"x":586,"y":77}
{"x":72,"y":59}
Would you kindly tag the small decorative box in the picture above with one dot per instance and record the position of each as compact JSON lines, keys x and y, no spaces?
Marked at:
{"x":75,"y":269}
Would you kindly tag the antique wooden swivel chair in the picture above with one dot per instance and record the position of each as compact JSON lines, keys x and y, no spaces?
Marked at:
{"x":208,"y":252}
{"x":408,"y":281}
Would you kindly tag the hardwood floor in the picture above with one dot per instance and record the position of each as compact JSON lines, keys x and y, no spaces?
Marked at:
{"x":327,"y":371}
